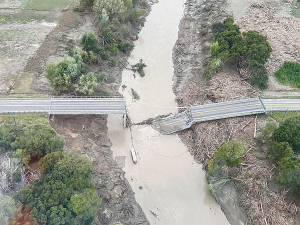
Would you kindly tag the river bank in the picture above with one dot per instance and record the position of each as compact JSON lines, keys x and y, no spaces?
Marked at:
{"x":251,"y":197}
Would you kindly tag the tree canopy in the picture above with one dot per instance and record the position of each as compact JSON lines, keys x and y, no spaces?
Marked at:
{"x":231,"y":44}
{"x":65,"y":194}
{"x":289,"y":73}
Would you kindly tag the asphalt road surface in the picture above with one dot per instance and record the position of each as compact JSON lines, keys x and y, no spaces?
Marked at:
{"x":64,"y":105}
{"x":222,"y":110}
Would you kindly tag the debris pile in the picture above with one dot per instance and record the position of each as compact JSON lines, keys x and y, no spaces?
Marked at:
{"x":203,"y":139}
{"x":281,"y":32}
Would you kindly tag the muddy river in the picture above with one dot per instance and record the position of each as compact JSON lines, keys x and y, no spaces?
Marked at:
{"x":169,"y":185}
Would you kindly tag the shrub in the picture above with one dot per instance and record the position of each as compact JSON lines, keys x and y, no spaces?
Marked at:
{"x":90,"y":42}
{"x":229,"y":154}
{"x":100,"y":77}
{"x":114,"y":8}
{"x":125,"y":46}
{"x":87,"y":83}
{"x":279,"y":150}
{"x":60,"y":75}
{"x":214,"y":48}
{"x":215,"y":65}
{"x":289,"y":173}
{"x":289,"y":131}
{"x":266,"y":133}
{"x":112,"y":62}
{"x":39,"y":140}
{"x":259,"y":75}
{"x":289,"y":73}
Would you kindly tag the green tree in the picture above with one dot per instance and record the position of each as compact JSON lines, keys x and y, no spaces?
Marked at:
{"x":279,"y":150}
{"x":259,"y":75}
{"x":90,"y":42}
{"x":87,"y":4}
{"x":289,"y":173}
{"x":8,"y":209}
{"x":289,"y":131}
{"x":229,"y":154}
{"x":39,"y":140}
{"x":60,"y":75}
{"x":266,"y":133}
{"x":87,"y":83}
{"x":114,"y":8}
{"x":65,"y":194}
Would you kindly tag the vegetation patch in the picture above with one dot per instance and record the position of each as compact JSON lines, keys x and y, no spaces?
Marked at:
{"x":289,"y":74}
{"x":248,"y":50}
{"x":46,"y":5}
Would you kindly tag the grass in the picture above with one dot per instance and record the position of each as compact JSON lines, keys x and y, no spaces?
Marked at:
{"x":25,"y":119}
{"x":47,"y":4}
{"x":282,"y":116}
{"x":24,"y":83}
{"x":25,"y":16}
{"x":295,"y":9}
{"x":289,"y":73}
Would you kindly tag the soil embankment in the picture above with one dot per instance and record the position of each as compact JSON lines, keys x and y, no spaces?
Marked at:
{"x":251,"y":198}
{"x":88,"y":134}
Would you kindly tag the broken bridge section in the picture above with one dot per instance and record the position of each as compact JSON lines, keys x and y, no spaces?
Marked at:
{"x":64,"y":105}
{"x":215,"y":111}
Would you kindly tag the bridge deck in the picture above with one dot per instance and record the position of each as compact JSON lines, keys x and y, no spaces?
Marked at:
{"x":64,"y":105}
{"x":223,"y":110}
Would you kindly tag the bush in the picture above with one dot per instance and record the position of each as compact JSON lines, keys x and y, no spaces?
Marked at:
{"x":8,"y":208}
{"x":289,"y":74}
{"x":229,"y":154}
{"x":259,"y":75}
{"x":215,"y":65}
{"x":90,"y":42}
{"x":266,"y":134}
{"x":100,"y":77}
{"x":87,"y":83}
{"x":112,"y":62}
{"x":7,"y":139}
{"x":60,"y":75}
{"x":279,"y":150}
{"x":230,"y":44}
{"x":289,"y":173}
{"x":114,"y":8}
{"x":214,"y":48}
{"x":39,"y":140}
{"x":289,"y":131}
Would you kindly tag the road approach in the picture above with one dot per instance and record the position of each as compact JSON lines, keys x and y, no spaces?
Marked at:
{"x":63,"y":105}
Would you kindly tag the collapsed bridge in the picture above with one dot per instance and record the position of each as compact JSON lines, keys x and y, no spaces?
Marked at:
{"x":200,"y":113}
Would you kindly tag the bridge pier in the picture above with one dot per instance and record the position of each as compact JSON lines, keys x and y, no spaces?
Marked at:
{"x":124,"y":120}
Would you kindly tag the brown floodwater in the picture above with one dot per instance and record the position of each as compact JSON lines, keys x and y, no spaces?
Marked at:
{"x":169,"y":185}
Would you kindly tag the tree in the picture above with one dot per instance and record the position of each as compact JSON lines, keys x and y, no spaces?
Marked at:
{"x":87,"y":83}
{"x":65,"y":194}
{"x":114,"y":8}
{"x":289,"y":131}
{"x":266,"y":133}
{"x":279,"y":150}
{"x":8,"y":209}
{"x":231,"y":44}
{"x":90,"y":42}
{"x":60,"y":75}
{"x":87,"y":4}
{"x":229,"y":154}
{"x":39,"y":140}
{"x":289,"y":173}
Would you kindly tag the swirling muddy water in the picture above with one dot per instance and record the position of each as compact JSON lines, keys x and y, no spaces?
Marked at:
{"x":169,"y":185}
